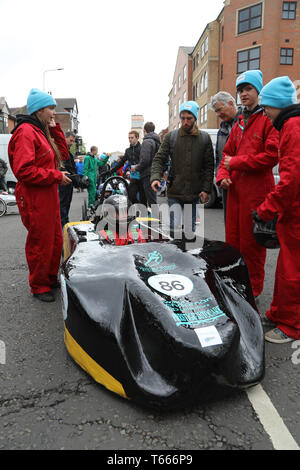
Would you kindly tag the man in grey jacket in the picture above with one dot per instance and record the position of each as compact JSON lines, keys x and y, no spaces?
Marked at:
{"x":192,"y":164}
{"x":150,"y":146}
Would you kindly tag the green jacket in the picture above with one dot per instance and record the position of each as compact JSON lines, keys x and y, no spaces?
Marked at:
{"x":192,"y":165}
{"x":91,"y":164}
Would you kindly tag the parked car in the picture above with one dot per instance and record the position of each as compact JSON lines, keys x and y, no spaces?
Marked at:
{"x":10,"y":178}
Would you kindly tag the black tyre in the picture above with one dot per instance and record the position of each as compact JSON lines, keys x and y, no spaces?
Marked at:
{"x":3,"y":207}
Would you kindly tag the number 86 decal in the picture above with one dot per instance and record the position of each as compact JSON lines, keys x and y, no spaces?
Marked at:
{"x":174,"y":285}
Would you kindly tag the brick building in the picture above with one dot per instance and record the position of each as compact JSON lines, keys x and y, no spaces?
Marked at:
{"x":205,"y":71}
{"x":246,"y":35}
{"x":261,"y":35}
{"x":182,"y":85}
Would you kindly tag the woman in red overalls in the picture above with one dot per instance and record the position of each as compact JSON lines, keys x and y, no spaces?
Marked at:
{"x":35,"y":152}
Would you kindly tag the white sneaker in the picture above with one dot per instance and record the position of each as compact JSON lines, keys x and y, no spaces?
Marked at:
{"x":277,"y":336}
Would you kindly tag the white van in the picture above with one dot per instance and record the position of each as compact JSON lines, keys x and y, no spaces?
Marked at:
{"x":10,"y":178}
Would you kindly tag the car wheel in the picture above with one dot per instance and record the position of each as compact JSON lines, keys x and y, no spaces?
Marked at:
{"x":212,"y":199}
{"x":3,"y":207}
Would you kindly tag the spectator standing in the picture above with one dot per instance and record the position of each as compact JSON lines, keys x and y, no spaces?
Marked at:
{"x":66,"y":192}
{"x":3,"y":171}
{"x":91,"y":163}
{"x":35,"y":160}
{"x":79,"y":169}
{"x":149,"y":148}
{"x":246,"y":172}
{"x":192,"y":165}
{"x":279,"y":100}
{"x":132,"y":156}
{"x":226,"y":109}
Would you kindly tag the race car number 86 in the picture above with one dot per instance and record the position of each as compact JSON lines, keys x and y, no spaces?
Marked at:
{"x":174,"y":285}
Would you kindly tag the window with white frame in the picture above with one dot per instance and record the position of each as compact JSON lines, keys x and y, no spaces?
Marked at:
{"x":184,"y":73}
{"x":205,"y":80}
{"x":184,"y":96}
{"x":206,"y":45}
{"x":179,"y":81}
{"x":202,"y":84}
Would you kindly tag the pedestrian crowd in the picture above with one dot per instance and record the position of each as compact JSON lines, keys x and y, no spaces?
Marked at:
{"x":254,"y":137}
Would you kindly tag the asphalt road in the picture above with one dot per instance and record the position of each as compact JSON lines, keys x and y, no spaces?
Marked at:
{"x":47,"y":402}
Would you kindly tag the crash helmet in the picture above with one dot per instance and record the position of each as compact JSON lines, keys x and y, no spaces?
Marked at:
{"x":108,"y":190}
{"x":265,"y":233}
{"x":85,"y":182}
{"x":115,"y":210}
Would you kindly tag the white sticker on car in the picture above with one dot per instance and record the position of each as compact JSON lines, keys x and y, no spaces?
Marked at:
{"x":174,"y":285}
{"x":208,"y":336}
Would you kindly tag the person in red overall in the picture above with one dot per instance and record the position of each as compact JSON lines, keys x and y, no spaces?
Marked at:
{"x":35,"y":151}
{"x":279,"y":100}
{"x":117,"y":232}
{"x":246,"y":171}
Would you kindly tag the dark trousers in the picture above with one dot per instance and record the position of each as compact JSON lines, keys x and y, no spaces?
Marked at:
{"x":149,"y":193}
{"x":135,"y":188}
{"x":65,"y":199}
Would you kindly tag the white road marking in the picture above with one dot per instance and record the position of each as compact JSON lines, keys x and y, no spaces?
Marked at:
{"x":2,"y":353}
{"x":273,"y":424}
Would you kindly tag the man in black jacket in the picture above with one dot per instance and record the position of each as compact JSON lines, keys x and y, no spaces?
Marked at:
{"x":149,"y":148}
{"x":132,"y":155}
{"x":66,"y":192}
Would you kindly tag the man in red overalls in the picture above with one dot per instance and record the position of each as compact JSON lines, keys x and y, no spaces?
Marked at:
{"x":246,"y":171}
{"x":279,"y":99}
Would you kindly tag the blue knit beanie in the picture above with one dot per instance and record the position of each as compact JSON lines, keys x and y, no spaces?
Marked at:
{"x":278,"y":93}
{"x":253,"y":77}
{"x":38,"y":99}
{"x":190,"y":106}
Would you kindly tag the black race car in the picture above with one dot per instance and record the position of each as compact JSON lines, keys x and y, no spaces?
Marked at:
{"x":156,"y":322}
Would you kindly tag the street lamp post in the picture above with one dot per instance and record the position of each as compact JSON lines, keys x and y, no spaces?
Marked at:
{"x":50,"y":70}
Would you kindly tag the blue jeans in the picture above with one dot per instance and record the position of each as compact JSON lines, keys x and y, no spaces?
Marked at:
{"x":178,"y":217}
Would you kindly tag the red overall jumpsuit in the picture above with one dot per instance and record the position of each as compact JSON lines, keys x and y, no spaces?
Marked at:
{"x":285,"y":200}
{"x":254,"y":149}
{"x":33,"y":162}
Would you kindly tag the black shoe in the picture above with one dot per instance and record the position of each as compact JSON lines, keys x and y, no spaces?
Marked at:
{"x":45,"y":297}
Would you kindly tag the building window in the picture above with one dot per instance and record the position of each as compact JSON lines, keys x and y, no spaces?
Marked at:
{"x":175,"y":91}
{"x":202,"y":50}
{"x":203,"y":114}
{"x":184,"y":96}
{"x":194,"y":93}
{"x":289,"y":10}
{"x":205,"y":81}
{"x":206,"y":45}
{"x":197,"y":59}
{"x":202,"y":84}
{"x":248,"y":59}
{"x":184,"y":73}
{"x":175,"y":111}
{"x":197,"y":89}
{"x":179,"y":81}
{"x":286,"y":56}
{"x":250,"y":18}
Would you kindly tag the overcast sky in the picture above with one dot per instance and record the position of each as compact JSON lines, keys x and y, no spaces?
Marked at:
{"x":118,"y":57}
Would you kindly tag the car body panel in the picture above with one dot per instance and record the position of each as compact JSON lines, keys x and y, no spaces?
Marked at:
{"x":158,"y":324}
